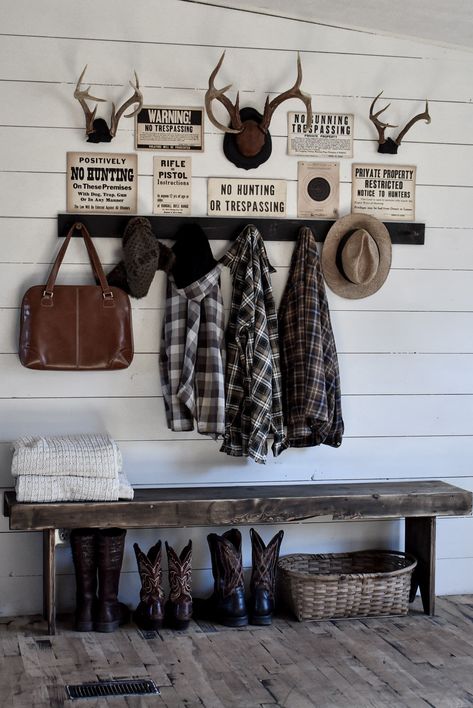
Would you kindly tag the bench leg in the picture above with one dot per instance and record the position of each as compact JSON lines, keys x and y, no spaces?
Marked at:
{"x":420,"y":541}
{"x":49,"y":579}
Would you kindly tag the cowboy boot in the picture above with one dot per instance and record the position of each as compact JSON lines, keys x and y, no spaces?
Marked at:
{"x":149,"y":614}
{"x":263,"y":577}
{"x":110,"y":547}
{"x":227,"y":604}
{"x":179,"y":604}
{"x":84,"y":556}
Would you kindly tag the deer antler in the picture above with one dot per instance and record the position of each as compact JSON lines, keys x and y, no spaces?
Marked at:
{"x":83,"y":96}
{"x":380,"y":126}
{"x":421,"y":116}
{"x":294,"y":92}
{"x":219,"y":94}
{"x":136,"y":98}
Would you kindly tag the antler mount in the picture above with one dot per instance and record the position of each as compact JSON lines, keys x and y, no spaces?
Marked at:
{"x":247,"y":140}
{"x":97,"y":129}
{"x":388,"y":145}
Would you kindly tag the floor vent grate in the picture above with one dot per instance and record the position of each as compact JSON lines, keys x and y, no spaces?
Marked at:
{"x":123,"y":687}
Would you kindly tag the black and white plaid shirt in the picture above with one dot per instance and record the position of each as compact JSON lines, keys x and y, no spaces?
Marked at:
{"x":191,"y":363}
{"x":309,"y":364}
{"x":253,"y":377}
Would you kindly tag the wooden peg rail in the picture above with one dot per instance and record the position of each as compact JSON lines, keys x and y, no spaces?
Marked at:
{"x":227,"y":229}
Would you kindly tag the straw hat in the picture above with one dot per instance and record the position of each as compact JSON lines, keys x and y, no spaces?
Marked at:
{"x":356,"y":256}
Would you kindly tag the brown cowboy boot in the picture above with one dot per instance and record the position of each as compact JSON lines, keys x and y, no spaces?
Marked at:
{"x":179,"y":605}
{"x":263,"y":577}
{"x":84,"y":556}
{"x":227,"y":604}
{"x":110,"y":547}
{"x":149,"y":614}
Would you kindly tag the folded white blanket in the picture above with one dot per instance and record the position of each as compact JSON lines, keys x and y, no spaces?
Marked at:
{"x":88,"y":455}
{"x":37,"y":488}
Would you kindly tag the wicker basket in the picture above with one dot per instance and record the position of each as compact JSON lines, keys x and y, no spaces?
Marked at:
{"x":360,"y":584}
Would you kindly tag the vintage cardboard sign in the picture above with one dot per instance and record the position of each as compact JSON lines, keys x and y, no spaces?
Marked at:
{"x":246,"y":197}
{"x":102,"y":182}
{"x":172,"y":183}
{"x":318,"y":189}
{"x":169,"y":128}
{"x":384,"y":191}
{"x":330,"y":135}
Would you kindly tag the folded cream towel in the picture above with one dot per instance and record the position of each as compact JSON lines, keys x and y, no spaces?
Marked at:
{"x":37,"y":488}
{"x":88,"y":455}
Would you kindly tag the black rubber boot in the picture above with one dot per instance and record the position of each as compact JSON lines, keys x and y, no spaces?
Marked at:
{"x":84,"y":556}
{"x":110,"y":547}
{"x":263,"y":577}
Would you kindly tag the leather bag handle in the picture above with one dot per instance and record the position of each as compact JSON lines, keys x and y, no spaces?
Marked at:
{"x":93,"y":257}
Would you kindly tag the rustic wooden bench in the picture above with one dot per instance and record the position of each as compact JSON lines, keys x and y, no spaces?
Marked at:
{"x":419,"y":503}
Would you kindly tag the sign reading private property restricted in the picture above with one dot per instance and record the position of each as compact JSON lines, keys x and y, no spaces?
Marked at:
{"x":330,"y":135}
{"x":102,"y":182}
{"x":252,"y":197}
{"x":384,"y":191}
{"x":169,"y":128}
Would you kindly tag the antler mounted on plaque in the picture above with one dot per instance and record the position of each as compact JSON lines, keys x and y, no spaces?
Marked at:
{"x":247,"y":141}
{"x":97,"y":129}
{"x":388,"y":145}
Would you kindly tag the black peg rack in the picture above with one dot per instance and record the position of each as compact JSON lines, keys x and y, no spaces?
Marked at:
{"x":228,"y":228}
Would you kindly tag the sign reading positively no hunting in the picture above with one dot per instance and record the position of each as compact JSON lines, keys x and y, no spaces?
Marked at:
{"x":330,"y":135}
{"x":169,"y":128}
{"x":384,"y":191}
{"x":252,"y":197}
{"x":102,"y":181}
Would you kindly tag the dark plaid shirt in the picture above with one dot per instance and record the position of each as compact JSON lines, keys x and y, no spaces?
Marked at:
{"x":309,"y":365}
{"x":191,"y":363}
{"x":253,"y":378}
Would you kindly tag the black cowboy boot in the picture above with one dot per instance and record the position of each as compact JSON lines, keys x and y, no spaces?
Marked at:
{"x":179,"y":605}
{"x":110,"y":547}
{"x":227,"y":604}
{"x":149,"y":614}
{"x":84,"y":556}
{"x":263,"y":577}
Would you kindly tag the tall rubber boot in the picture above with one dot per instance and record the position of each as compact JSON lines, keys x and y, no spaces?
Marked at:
{"x":179,"y":604}
{"x":263,"y":577}
{"x":227,"y":604}
{"x":149,"y":614}
{"x":110,"y":547}
{"x":84,"y":556}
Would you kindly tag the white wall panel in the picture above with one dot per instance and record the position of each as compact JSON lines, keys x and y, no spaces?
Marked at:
{"x":405,"y":353}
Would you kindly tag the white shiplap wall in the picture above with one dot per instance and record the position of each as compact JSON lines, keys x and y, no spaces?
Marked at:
{"x":406,"y":353}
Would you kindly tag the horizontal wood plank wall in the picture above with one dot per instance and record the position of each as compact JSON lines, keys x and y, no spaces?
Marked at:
{"x":406,"y":353}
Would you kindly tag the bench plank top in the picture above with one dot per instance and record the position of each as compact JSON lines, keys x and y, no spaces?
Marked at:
{"x":225,"y":506}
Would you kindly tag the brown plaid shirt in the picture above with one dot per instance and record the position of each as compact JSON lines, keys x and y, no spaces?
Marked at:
{"x":253,"y":378}
{"x":309,"y":365}
{"x":191,"y":363}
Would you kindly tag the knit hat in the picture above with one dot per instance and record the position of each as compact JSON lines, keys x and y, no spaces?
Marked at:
{"x":143,"y":255}
{"x":356,"y":256}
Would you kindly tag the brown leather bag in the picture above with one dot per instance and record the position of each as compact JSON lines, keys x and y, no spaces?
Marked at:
{"x":85,"y":327}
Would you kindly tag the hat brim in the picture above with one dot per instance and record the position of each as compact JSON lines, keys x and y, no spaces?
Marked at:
{"x":334,"y":278}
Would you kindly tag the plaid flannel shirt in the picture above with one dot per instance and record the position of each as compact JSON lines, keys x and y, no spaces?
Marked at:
{"x":309,"y":365}
{"x":191,"y":363}
{"x":253,"y":377}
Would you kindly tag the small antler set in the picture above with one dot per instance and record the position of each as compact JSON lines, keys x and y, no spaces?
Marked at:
{"x":247,"y":141}
{"x":97,"y":129}
{"x":388,"y":145}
